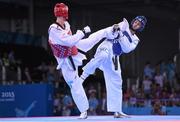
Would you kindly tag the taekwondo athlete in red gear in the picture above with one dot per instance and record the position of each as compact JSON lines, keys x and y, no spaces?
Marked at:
{"x":63,"y":45}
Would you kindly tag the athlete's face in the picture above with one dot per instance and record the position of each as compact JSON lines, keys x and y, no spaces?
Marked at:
{"x":136,"y":25}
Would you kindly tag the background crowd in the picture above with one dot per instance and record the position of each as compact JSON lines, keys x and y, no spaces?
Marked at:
{"x":158,"y":87}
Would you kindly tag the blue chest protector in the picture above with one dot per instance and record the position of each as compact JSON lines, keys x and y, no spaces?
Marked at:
{"x":117,"y":50}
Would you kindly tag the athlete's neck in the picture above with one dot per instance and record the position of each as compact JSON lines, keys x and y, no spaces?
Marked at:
{"x":61,"y":21}
{"x":132,"y":31}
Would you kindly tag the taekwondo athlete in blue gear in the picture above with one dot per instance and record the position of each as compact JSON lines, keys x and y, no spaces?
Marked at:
{"x":106,"y":59}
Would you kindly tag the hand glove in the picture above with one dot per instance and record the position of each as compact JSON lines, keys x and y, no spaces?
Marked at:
{"x":111,"y":32}
{"x":124,"y":25}
{"x":116,"y":28}
{"x":86,"y":30}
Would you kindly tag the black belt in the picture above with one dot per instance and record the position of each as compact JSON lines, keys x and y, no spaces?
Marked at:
{"x":81,"y":51}
{"x":115,"y":61}
{"x":72,"y":62}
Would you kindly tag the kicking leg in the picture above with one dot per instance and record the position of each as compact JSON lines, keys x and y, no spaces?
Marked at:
{"x":94,"y":38}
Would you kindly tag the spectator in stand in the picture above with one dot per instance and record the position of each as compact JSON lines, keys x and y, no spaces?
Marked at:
{"x":126,"y":97}
{"x":67,"y":105}
{"x":5,"y":60}
{"x":103,"y":104}
{"x":171,"y":73}
{"x":4,"y":74}
{"x":174,"y":99}
{"x":157,"y":108}
{"x":43,"y":68}
{"x":19,"y":72}
{"x":11,"y":58}
{"x":163,"y":108}
{"x":133,"y":100}
{"x":57,"y":104}
{"x":27,"y":75}
{"x":93,"y":103}
{"x":163,"y":68}
{"x":140,"y":98}
{"x":147,"y":85}
{"x":159,"y":79}
{"x":51,"y":72}
{"x":158,"y":90}
{"x":148,"y":70}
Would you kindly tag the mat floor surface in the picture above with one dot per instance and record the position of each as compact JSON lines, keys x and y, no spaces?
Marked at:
{"x":95,"y":119}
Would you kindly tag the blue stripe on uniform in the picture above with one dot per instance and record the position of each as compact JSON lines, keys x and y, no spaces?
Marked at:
{"x":70,"y":84}
{"x":128,"y":36}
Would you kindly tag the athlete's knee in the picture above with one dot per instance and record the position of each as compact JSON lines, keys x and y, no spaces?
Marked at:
{"x":75,"y":86}
{"x":70,"y":83}
{"x":102,"y":56}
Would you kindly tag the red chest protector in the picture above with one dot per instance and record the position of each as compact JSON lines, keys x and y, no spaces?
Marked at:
{"x":63,"y":51}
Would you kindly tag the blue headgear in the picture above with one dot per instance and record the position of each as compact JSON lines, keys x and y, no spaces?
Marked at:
{"x":143,"y":21}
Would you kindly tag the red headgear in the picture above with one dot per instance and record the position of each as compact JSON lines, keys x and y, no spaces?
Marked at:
{"x":61,"y":10}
